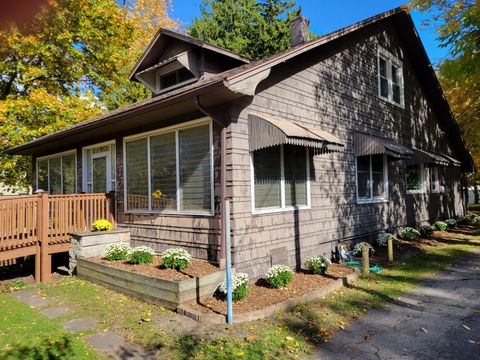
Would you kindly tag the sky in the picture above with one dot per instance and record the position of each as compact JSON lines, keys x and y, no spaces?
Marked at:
{"x":330,"y":15}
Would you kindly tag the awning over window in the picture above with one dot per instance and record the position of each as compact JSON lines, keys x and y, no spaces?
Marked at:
{"x":364,"y":144}
{"x":426,"y":157}
{"x":265,"y":131}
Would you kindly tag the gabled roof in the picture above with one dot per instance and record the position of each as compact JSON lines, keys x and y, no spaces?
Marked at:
{"x":243,"y":79}
{"x":160,"y":42}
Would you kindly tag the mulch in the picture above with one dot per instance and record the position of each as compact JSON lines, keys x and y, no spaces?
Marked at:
{"x":196,"y":269}
{"x":260,"y":295}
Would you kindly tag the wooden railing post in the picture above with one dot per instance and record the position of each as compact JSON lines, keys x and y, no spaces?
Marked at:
{"x":365,"y":260}
{"x":42,"y":223}
{"x":111,"y":209}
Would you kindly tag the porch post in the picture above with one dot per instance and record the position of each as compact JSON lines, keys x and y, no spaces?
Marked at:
{"x":42,"y":235}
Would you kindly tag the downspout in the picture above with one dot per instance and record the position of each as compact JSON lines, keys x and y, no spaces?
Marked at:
{"x":223,"y":177}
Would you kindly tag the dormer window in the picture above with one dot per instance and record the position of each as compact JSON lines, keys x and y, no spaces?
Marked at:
{"x":177,"y":77}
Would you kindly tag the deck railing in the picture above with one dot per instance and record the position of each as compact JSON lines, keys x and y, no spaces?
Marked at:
{"x":41,"y":224}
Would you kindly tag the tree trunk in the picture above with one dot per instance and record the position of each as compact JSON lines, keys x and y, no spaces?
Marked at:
{"x":475,"y":194}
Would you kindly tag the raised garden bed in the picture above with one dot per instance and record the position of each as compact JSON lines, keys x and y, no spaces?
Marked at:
{"x":153,"y":283}
{"x":262,"y":301}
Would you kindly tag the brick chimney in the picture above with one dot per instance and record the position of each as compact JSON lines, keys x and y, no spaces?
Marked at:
{"x":300,"y":30}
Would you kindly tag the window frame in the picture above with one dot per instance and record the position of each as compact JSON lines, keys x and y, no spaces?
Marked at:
{"x":283,"y":207}
{"x":438,"y":188}
{"x":174,"y":128}
{"x":113,"y":179}
{"x":390,"y":59}
{"x":371,"y":199}
{"x":160,"y":74}
{"x":422,"y":189}
{"x":52,"y":156}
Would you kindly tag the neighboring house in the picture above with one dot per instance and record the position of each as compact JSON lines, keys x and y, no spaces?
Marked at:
{"x":333,"y":140}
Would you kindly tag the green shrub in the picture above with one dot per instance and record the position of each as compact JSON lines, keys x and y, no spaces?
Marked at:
{"x":279,"y":276}
{"x":451,"y":223}
{"x":239,"y":287}
{"x":318,"y":264}
{"x":141,"y":255}
{"x":102,"y":225}
{"x":469,"y":219}
{"x":409,"y":233}
{"x":357,"y":249}
{"x":176,"y":258}
{"x":117,"y":251}
{"x":383,"y":237}
{"x":440,"y":225}
{"x":426,"y":230}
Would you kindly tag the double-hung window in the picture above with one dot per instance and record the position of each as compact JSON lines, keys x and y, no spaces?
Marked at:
{"x":415,"y":178}
{"x":170,"y":170}
{"x":390,"y":78}
{"x":280,"y":178}
{"x":372,"y":178}
{"x":57,"y":174}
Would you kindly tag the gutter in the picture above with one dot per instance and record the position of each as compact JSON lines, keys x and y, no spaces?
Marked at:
{"x":223,"y":179}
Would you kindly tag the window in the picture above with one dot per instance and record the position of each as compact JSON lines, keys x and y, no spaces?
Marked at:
{"x":434,"y":179}
{"x":390,"y":78}
{"x":99,"y":164}
{"x":414,"y":178}
{"x":170,"y":171}
{"x":280,"y":178}
{"x":57,"y":173}
{"x":173,"y":78}
{"x":372,"y":178}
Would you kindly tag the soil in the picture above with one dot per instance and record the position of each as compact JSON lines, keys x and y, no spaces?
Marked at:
{"x":260,"y":295}
{"x":196,"y":269}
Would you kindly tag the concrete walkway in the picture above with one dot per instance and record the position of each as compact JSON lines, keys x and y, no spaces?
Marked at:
{"x":438,"y":320}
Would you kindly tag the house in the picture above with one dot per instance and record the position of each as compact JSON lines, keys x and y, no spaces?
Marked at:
{"x":335,"y":139}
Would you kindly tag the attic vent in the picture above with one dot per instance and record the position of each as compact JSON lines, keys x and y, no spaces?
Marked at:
{"x":173,"y":78}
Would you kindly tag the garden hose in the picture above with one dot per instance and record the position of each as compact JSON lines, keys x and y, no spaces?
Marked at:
{"x":374,"y":267}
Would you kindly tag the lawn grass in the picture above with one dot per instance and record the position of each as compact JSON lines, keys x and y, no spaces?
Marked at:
{"x":27,"y":335}
{"x":286,"y":336}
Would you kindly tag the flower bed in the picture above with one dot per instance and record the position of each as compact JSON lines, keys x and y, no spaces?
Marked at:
{"x":151,"y":282}
{"x":262,"y":299}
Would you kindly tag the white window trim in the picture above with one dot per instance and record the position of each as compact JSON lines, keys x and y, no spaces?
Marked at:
{"x":113,"y":179}
{"x":282,"y":208}
{"x":390,"y":59}
{"x":48,"y":157}
{"x":438,"y":188}
{"x":168,"y":129}
{"x":373,"y":200}
{"x":422,"y":189}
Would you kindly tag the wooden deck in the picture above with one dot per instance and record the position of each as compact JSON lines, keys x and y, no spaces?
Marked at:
{"x":41,"y":224}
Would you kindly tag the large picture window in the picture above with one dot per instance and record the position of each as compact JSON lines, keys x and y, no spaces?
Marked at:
{"x":280,"y":177}
{"x":390,"y":78}
{"x":415,"y":178}
{"x":57,"y":173}
{"x":372,"y":178}
{"x":170,"y":171}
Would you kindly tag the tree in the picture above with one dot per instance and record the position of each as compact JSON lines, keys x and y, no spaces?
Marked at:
{"x":458,"y":27}
{"x":146,"y":16}
{"x":58,"y":68}
{"x":251,"y":28}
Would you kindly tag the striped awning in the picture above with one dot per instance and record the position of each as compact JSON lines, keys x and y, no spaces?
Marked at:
{"x":364,"y":144}
{"x":428,"y":158}
{"x":265,"y":131}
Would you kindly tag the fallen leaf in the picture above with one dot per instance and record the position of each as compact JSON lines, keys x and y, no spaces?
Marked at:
{"x":466,"y":327}
{"x":289,"y":338}
{"x":250,"y":338}
{"x":368,"y":337}
{"x":424,"y":330}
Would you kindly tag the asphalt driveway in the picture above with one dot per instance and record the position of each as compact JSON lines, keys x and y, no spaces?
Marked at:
{"x":438,"y":320}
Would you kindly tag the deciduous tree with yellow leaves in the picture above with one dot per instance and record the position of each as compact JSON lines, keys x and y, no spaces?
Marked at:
{"x":67,"y":65}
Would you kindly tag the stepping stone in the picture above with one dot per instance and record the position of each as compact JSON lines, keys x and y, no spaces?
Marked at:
{"x":76,"y":325}
{"x":53,"y":313}
{"x":30,"y":297}
{"x":116,"y":346}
